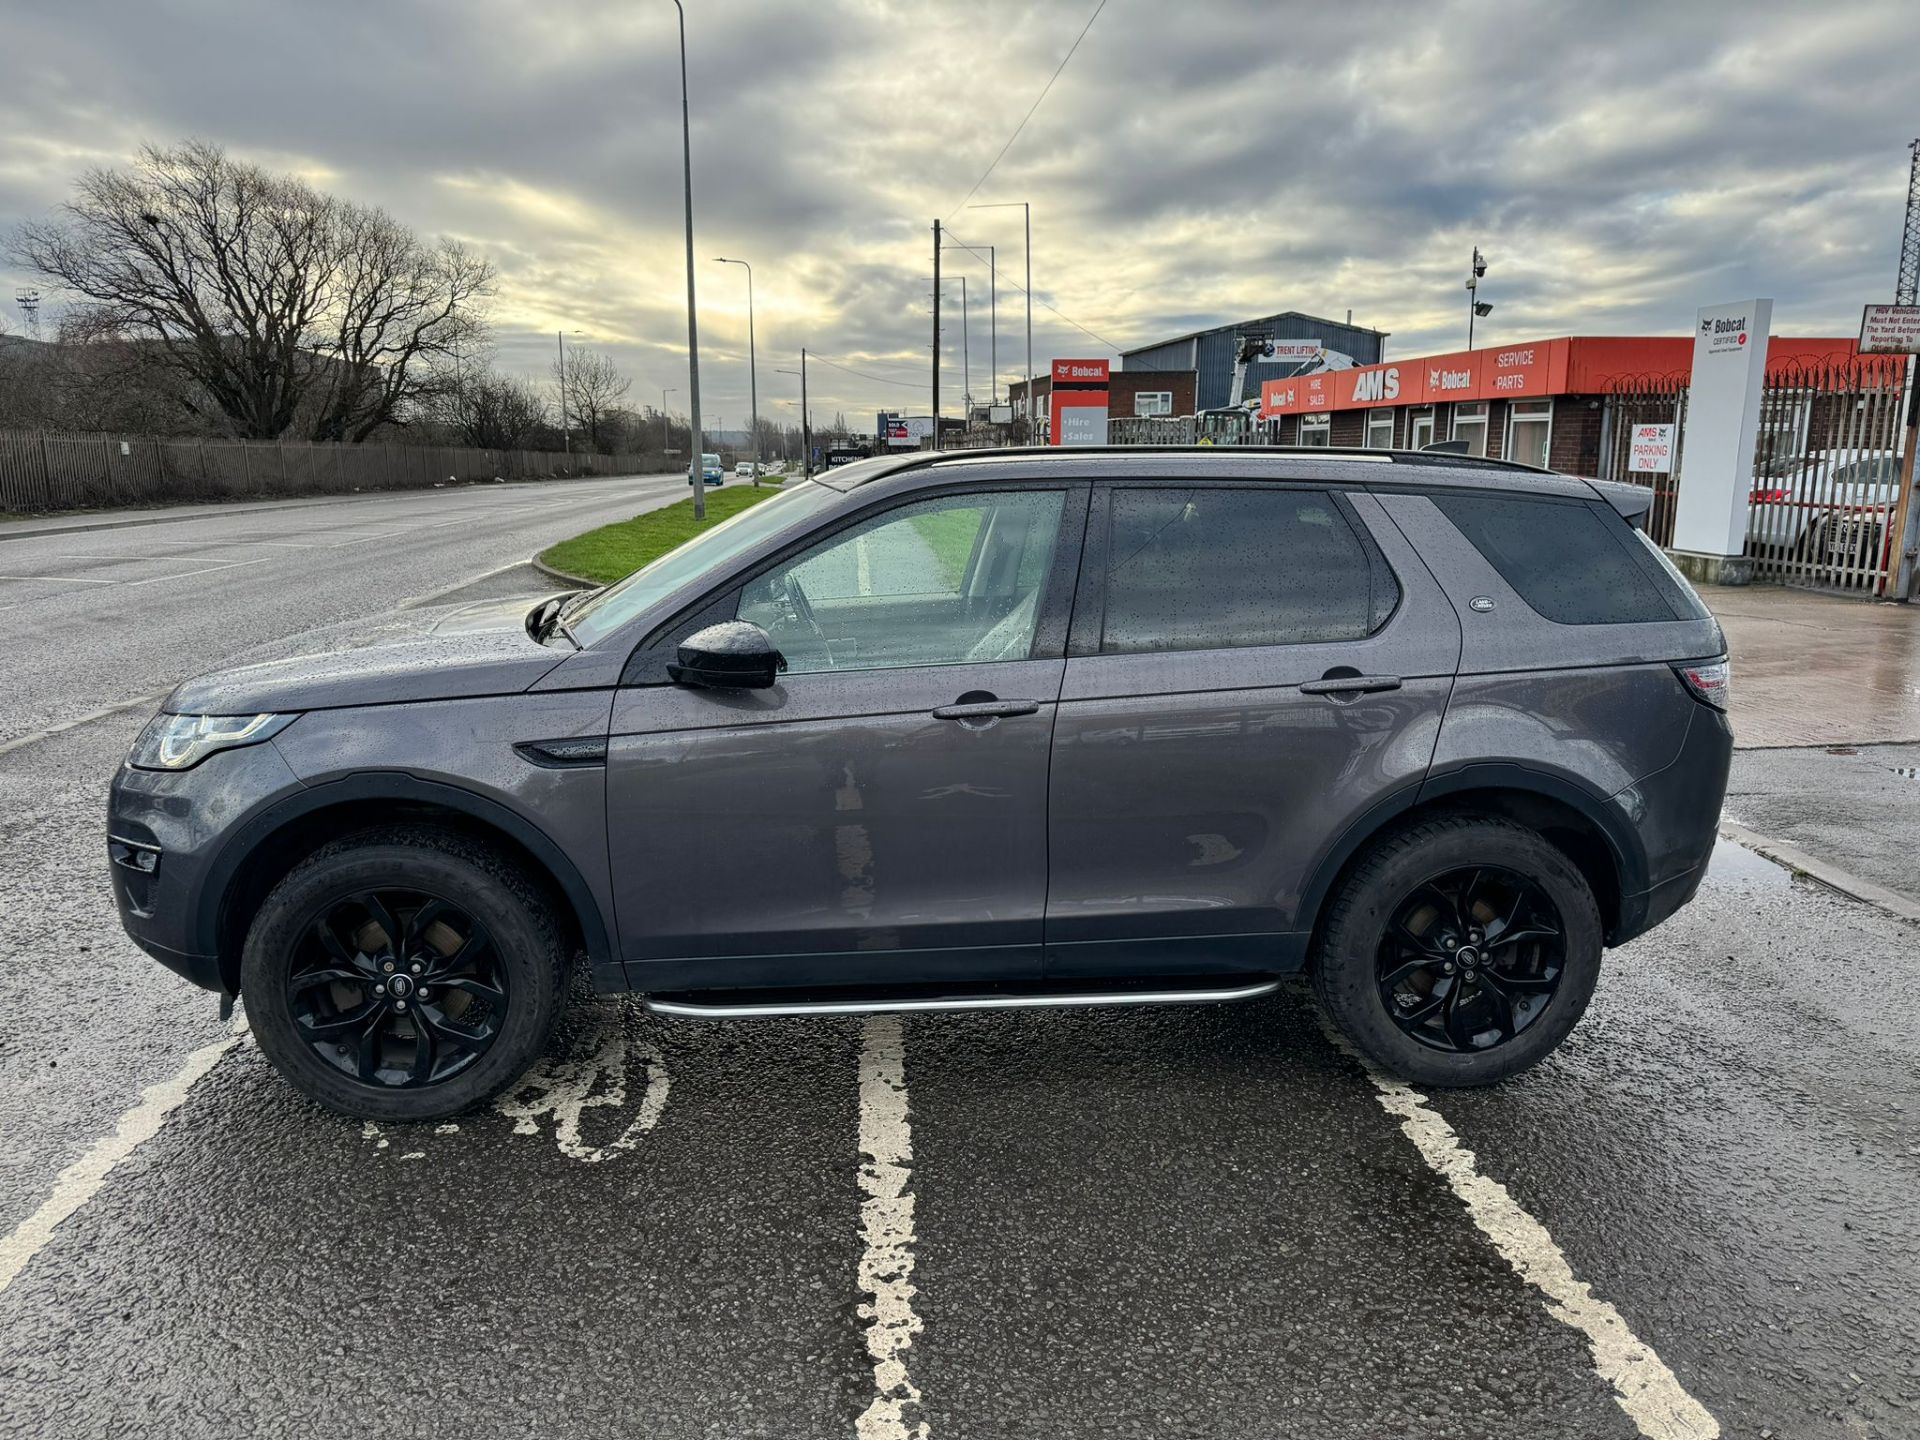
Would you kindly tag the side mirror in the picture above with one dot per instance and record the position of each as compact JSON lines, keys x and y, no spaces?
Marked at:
{"x":733,"y":655}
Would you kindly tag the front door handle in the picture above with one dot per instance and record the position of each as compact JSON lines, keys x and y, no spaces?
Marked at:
{"x":987,"y":710}
{"x":1351,"y":685}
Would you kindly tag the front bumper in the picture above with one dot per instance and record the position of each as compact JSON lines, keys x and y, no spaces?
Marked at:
{"x":164,"y":831}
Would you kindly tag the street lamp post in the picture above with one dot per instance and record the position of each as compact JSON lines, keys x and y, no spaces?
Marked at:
{"x":993,"y":313}
{"x":666,"y":434}
{"x":566,"y":439}
{"x":753,"y":365}
{"x":1026,"y":209}
{"x":695,"y":474}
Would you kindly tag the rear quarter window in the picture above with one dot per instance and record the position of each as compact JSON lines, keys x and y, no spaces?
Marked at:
{"x":1574,"y":562}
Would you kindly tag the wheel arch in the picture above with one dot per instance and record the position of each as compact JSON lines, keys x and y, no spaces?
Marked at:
{"x":1592,"y":833}
{"x":270,"y":844}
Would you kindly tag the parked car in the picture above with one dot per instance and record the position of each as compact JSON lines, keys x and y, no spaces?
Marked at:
{"x":743,"y":470}
{"x":712,"y":472}
{"x":1835,"y":508}
{"x":976,"y":730}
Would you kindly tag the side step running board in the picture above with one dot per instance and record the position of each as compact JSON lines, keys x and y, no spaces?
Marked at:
{"x":706,"y":1011}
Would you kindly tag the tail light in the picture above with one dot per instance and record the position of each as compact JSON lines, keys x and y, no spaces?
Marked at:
{"x":1767,"y":497}
{"x":1707,"y":681}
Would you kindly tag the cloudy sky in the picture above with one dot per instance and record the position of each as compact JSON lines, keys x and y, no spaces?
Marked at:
{"x":1196,"y":162}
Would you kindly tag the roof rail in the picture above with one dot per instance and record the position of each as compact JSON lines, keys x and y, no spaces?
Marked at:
{"x":918,"y":458}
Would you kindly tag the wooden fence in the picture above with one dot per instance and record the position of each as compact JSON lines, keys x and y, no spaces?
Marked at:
{"x":48,"y":471}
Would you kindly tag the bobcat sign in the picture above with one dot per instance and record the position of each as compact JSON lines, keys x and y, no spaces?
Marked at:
{"x":1723,"y":419}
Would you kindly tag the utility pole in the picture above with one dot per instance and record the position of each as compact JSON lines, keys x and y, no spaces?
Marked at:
{"x":1906,"y":291}
{"x":966,"y":363}
{"x":695,"y":472}
{"x":666,"y":434}
{"x":936,"y":334}
{"x":1026,"y":208}
{"x":806,"y":434}
{"x":1475,"y":305}
{"x":993,"y":323}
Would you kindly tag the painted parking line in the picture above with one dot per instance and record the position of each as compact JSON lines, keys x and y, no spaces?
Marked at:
{"x":1643,"y":1386}
{"x":61,"y":579}
{"x":886,"y":1229}
{"x":81,"y":1180}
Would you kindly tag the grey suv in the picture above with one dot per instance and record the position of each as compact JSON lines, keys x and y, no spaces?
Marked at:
{"x":971,"y":730}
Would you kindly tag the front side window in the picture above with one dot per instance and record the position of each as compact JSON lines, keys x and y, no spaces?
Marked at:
{"x":1470,"y":425}
{"x":1316,"y":429}
{"x":1380,"y":430}
{"x":955,"y":580}
{"x":1153,"y":402}
{"x":1529,"y":429}
{"x":1205,"y":569}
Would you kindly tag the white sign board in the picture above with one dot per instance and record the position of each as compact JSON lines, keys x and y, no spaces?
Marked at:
{"x":1082,"y":424}
{"x":1890,"y":330}
{"x":1291,"y":352}
{"x":1723,"y":419}
{"x":1000,"y":414}
{"x":1650,"y":448}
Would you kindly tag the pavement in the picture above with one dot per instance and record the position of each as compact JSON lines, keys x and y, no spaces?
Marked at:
{"x":1694,"y":1220}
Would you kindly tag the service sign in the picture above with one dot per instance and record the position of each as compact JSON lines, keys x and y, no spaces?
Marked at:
{"x":1890,"y":330}
{"x":1650,"y":449}
{"x":1080,"y":372}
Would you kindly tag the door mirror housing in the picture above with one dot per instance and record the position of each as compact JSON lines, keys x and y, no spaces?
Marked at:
{"x":733,"y":655}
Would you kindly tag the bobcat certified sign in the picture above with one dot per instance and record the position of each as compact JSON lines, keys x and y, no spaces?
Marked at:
{"x":1650,"y":448}
{"x":1890,"y":330}
{"x":1721,"y":333}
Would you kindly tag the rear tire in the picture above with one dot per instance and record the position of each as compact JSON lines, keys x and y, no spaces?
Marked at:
{"x":1388,"y":971}
{"x":445,"y":921}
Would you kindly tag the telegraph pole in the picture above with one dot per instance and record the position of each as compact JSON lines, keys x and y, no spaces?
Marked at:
{"x":695,"y":471}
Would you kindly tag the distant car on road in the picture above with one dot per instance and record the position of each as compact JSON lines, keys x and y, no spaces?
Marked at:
{"x":743,"y":470}
{"x":712,"y":472}
{"x":1835,"y":508}
{"x":975,"y":731}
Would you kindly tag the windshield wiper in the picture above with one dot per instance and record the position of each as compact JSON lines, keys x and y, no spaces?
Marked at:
{"x":547,"y":617}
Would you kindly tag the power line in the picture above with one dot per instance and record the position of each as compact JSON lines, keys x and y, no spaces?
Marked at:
{"x":1038,"y":301}
{"x":1031,"y":108}
{"x":815,"y":356}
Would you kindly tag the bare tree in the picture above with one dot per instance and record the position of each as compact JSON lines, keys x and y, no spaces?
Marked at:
{"x":275,"y":303}
{"x":590,"y":390}
{"x":491,"y":411}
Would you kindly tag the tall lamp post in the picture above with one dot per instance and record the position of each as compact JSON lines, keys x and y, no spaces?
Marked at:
{"x":993,"y":321}
{"x":1476,"y":307}
{"x":695,"y":475}
{"x":753,"y":365}
{"x":1026,"y":209}
{"x":666,"y":434}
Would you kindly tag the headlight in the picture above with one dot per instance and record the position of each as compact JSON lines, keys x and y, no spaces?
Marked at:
{"x":179,"y":742}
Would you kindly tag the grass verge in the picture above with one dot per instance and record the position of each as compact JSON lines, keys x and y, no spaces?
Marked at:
{"x":615,"y":551}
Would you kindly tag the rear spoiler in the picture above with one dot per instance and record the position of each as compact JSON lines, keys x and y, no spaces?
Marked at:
{"x":1630,"y":502}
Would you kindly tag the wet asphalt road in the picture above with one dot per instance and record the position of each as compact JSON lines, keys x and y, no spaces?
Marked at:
{"x":1178,"y":1223}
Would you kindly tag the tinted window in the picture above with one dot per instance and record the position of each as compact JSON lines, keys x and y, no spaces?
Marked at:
{"x":1202,"y":569}
{"x":949,"y":581}
{"x":1568,"y":560}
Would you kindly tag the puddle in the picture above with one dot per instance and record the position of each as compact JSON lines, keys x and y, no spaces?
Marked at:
{"x":1737,"y":865}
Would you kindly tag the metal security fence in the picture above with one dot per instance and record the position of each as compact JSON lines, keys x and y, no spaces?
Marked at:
{"x":1645,"y":400}
{"x":49,"y":471}
{"x":1824,"y":503}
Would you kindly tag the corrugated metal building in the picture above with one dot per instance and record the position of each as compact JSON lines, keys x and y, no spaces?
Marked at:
{"x":1210,"y":352}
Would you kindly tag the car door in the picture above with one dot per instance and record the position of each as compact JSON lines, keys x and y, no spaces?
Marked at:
{"x":879,"y":815}
{"x":1252,"y":667}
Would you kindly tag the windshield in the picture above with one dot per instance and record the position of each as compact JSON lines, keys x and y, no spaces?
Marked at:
{"x":607,"y":610}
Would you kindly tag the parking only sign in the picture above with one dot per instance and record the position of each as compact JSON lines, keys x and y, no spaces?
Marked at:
{"x":1890,"y":330}
{"x":1650,"y":448}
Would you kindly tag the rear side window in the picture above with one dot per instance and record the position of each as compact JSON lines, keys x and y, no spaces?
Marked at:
{"x":1575,"y":563}
{"x":1199,"y":568}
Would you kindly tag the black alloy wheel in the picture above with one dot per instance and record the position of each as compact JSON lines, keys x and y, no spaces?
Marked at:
{"x":1470,"y":958}
{"x":397,"y":988}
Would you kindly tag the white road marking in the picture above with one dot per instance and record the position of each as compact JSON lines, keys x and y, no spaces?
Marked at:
{"x":81,"y":1180}
{"x":1642,"y":1384}
{"x":566,"y":1090}
{"x":886,"y":1227}
{"x":34,"y":737}
{"x":61,"y":579}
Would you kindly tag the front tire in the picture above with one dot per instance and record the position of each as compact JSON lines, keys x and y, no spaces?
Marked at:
{"x":1459,"y":952}
{"x":404,"y":974}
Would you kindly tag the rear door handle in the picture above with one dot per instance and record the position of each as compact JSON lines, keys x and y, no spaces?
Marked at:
{"x":1351,"y":685}
{"x":987,"y":710}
